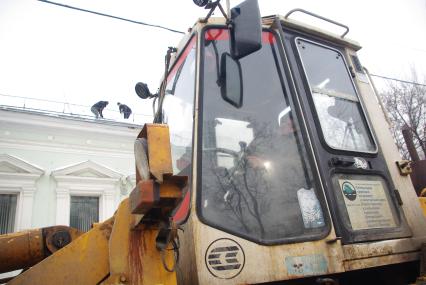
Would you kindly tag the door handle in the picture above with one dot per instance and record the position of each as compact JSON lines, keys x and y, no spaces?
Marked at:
{"x":342,"y":161}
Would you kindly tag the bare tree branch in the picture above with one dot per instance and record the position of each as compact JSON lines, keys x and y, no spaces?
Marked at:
{"x":406,"y":106}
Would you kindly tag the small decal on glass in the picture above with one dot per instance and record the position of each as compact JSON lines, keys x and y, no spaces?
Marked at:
{"x":311,"y":208}
{"x":360,"y":163}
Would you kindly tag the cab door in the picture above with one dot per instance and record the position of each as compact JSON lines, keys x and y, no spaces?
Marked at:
{"x":363,"y":202}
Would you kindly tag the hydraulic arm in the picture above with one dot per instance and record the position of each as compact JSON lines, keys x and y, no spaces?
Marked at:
{"x":24,"y":249}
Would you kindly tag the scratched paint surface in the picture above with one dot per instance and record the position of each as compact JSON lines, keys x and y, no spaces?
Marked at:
{"x":314,"y":264}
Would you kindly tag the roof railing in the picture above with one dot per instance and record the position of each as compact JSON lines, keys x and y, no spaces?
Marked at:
{"x":319,"y":17}
{"x":53,"y":107}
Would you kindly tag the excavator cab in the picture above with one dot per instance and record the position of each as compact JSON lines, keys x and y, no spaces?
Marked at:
{"x":291,"y":166}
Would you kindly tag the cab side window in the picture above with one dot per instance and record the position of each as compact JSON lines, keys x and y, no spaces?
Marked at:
{"x":342,"y":121}
{"x":178,"y":108}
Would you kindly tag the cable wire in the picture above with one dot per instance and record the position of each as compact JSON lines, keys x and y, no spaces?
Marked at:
{"x":175,"y":31}
{"x":110,"y":16}
{"x":400,"y":80}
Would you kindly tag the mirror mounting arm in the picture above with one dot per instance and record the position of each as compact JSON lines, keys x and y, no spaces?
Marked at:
{"x":162,"y":92}
{"x":212,"y":6}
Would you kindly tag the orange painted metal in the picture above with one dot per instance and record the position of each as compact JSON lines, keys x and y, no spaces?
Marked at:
{"x":110,"y":253}
{"x":149,"y":269}
{"x":159,"y":151}
{"x":119,"y":244}
{"x":83,"y":262}
{"x":133,"y":256}
{"x":24,"y":249}
{"x":422,"y":201}
{"x":149,"y":194}
{"x":157,"y":196}
{"x":144,"y":197}
{"x":21,"y":250}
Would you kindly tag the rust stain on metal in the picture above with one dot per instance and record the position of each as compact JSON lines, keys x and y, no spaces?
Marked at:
{"x":351,"y":252}
{"x":144,"y":243}
{"x":145,"y":262}
{"x":373,"y":251}
{"x":20,"y":250}
{"x":106,"y":227}
{"x":379,"y":261}
{"x":144,"y":197}
{"x":136,"y":249}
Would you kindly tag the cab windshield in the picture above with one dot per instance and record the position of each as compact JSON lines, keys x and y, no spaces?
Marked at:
{"x":256,"y":180}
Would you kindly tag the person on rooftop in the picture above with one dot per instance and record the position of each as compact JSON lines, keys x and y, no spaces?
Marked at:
{"x":124,"y":109}
{"x":98,"y":108}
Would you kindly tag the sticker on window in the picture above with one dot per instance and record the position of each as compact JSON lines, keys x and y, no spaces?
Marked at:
{"x":367,"y":204}
{"x":311,"y":208}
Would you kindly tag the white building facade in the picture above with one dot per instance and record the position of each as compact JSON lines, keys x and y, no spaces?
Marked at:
{"x":62,"y":169}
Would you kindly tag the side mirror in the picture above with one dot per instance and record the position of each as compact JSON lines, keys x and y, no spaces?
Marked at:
{"x":142,"y":91}
{"x":231,"y":85}
{"x":246,"y":29}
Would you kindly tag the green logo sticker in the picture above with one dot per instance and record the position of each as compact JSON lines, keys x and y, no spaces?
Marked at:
{"x":349,"y":191}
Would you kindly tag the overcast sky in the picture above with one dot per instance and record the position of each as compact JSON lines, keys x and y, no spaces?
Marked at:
{"x":54,"y":53}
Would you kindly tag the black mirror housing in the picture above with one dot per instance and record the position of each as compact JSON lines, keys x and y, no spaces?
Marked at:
{"x":231,"y":84}
{"x":142,"y":90}
{"x":246,"y":29}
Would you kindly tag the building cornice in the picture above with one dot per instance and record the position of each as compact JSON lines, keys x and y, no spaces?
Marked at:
{"x":65,"y":148}
{"x":68,"y":123}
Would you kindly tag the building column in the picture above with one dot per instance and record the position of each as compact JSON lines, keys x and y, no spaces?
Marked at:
{"x":62,"y":206}
{"x":109,"y":206}
{"x":26,"y":204}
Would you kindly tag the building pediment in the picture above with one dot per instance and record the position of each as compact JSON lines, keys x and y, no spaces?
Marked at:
{"x":86,"y":178}
{"x":86,"y":169}
{"x":89,"y":172}
{"x":20,"y":177}
{"x":10,"y":168}
{"x":12,"y":164}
